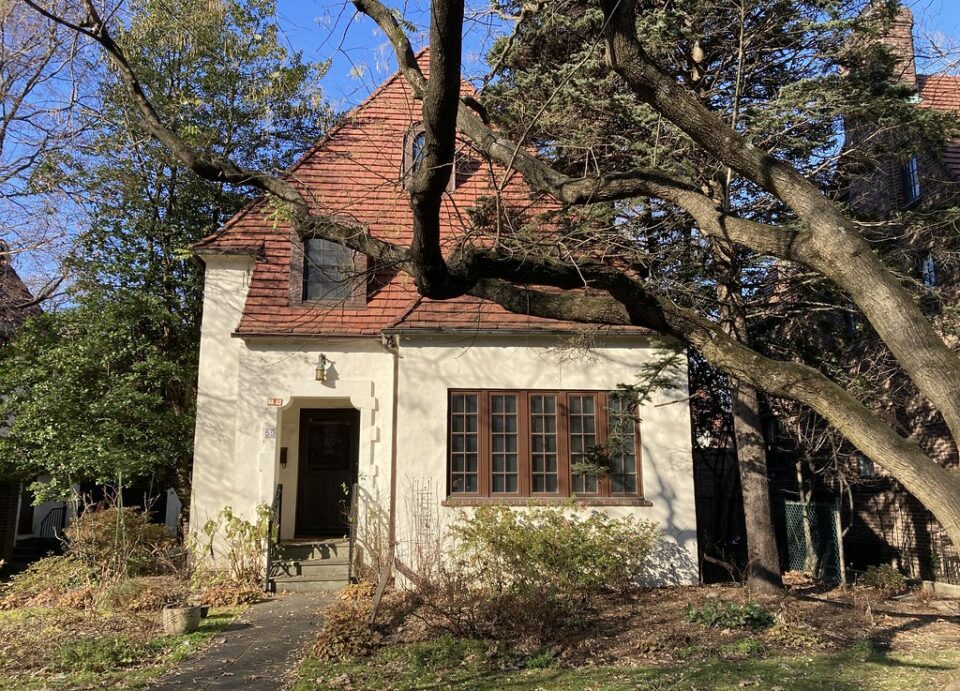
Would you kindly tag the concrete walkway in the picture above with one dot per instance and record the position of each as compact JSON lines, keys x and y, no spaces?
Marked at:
{"x":259,"y":650}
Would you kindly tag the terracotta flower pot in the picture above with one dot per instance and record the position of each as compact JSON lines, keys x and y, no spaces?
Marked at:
{"x":180,"y":619}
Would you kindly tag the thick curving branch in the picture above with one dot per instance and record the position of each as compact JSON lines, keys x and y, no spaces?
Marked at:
{"x":630,"y":303}
{"x":834,"y":246}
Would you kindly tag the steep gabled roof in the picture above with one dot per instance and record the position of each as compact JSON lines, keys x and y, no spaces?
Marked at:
{"x":355,"y":174}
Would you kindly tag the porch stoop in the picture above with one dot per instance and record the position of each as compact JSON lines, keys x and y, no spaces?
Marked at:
{"x":313,"y":566}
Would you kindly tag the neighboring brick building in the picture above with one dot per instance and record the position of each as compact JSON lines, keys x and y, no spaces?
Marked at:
{"x":883,"y":522}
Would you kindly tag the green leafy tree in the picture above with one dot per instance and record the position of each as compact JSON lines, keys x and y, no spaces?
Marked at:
{"x":109,"y":392}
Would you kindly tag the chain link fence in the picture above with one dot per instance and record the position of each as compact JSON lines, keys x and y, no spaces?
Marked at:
{"x":812,"y":539}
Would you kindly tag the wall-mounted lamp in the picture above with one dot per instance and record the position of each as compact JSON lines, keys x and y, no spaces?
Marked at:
{"x":283,"y":456}
{"x":321,"y":373}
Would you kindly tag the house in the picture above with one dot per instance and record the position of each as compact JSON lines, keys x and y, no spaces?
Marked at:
{"x":321,"y":372}
{"x":16,"y":304}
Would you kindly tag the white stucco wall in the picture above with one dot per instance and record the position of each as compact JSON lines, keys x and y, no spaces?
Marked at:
{"x":225,"y":290}
{"x":429,"y":367}
{"x":239,"y":436}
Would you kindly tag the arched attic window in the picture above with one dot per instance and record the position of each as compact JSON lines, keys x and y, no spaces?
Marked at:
{"x":414,"y":145}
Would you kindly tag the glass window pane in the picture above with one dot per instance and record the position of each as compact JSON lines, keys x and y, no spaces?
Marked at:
{"x":328,"y":270}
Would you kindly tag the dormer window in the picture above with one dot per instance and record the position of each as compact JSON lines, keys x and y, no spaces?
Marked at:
{"x":911,"y":180}
{"x":330,"y":273}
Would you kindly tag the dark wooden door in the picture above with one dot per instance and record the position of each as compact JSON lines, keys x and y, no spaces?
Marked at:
{"x":329,"y":450}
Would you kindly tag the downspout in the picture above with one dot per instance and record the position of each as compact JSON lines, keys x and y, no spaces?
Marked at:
{"x":392,"y":344}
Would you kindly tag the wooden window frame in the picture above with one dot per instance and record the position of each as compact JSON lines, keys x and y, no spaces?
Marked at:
{"x":525,"y":493}
{"x":358,"y":295}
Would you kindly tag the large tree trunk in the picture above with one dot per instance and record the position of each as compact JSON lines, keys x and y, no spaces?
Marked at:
{"x":763,"y":557}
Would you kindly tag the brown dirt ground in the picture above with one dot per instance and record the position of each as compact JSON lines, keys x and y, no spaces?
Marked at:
{"x":652,"y":626}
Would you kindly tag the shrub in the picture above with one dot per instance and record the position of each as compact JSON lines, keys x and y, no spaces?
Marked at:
{"x":730,"y":615}
{"x":119,"y":542}
{"x":528,"y":574}
{"x":795,"y":635}
{"x":346,"y":631}
{"x":885,"y":578}
{"x":51,"y":581}
{"x":229,"y":562}
{"x":141,"y":594}
{"x":554,"y":551}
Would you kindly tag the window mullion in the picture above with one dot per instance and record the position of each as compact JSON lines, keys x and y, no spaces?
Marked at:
{"x":563,"y":446}
{"x":524,"y":462}
{"x":484,"y":465}
{"x":601,"y":422}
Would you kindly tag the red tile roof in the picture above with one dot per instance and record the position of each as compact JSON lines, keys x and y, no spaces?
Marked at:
{"x":354,"y":173}
{"x":939,"y":91}
{"x":942,"y":92}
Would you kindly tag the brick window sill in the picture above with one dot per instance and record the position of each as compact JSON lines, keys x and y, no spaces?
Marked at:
{"x":546,"y":501}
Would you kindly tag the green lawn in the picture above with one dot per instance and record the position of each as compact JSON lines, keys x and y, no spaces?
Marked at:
{"x":69,"y":649}
{"x":453,"y":664}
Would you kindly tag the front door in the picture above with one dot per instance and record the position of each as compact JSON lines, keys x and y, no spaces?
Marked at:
{"x":329,"y":450}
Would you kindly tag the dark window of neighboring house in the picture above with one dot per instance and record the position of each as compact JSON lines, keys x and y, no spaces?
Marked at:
{"x":911,"y":180}
{"x":928,"y":271}
{"x":330,"y":272}
{"x":532,"y":443}
{"x":866,"y":467}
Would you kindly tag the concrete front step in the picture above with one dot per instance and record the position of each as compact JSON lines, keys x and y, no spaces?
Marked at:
{"x":314,"y":568}
{"x":332,"y":551}
{"x":311,"y":565}
{"x":302,"y":584}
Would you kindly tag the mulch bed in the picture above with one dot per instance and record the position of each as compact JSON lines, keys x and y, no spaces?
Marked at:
{"x":652,"y":627}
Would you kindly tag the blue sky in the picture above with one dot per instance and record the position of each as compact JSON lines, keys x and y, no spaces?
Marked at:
{"x":362,"y":58}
